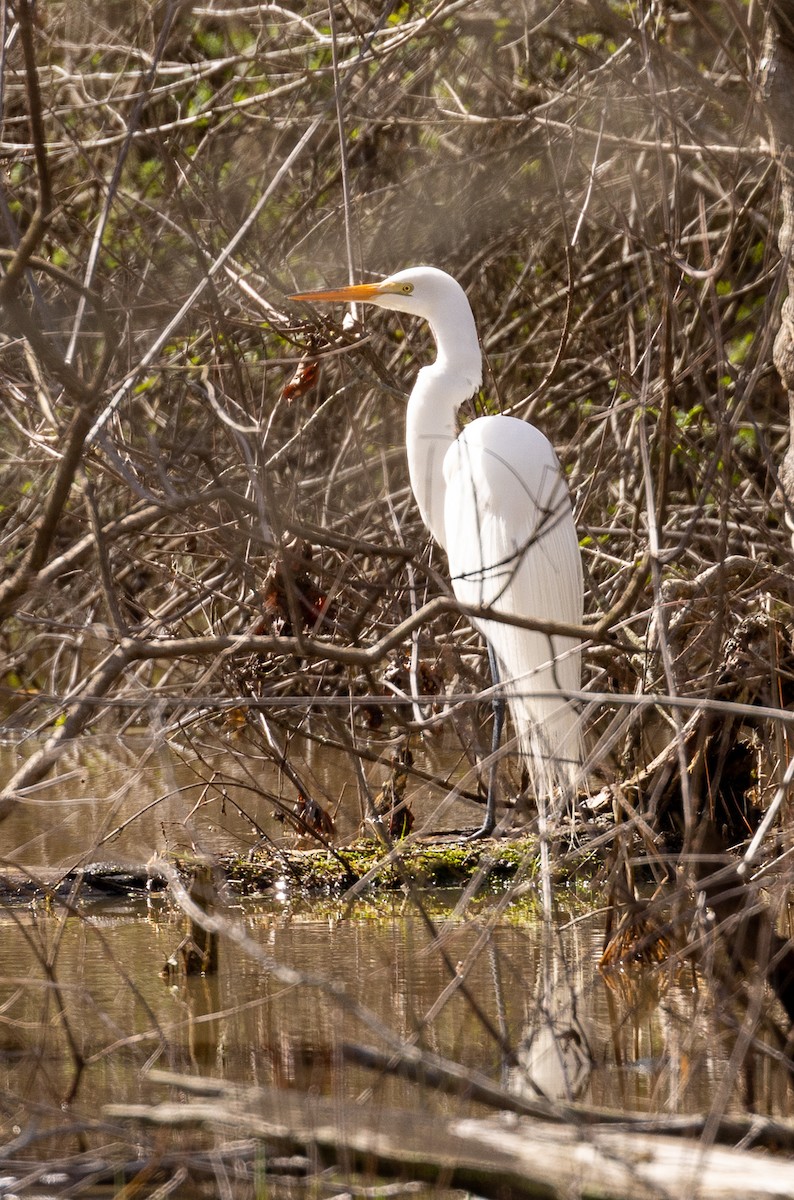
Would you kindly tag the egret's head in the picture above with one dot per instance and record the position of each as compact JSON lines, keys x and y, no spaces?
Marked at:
{"x":422,"y":291}
{"x":435,"y":296}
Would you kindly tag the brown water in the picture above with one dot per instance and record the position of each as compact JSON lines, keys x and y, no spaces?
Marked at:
{"x":85,"y":986}
{"x":94,"y":978}
{"x":126,"y":799}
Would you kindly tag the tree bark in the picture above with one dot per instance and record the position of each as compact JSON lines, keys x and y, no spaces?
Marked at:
{"x":778,"y":97}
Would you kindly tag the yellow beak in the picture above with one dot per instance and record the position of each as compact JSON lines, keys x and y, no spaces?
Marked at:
{"x":348,"y":295}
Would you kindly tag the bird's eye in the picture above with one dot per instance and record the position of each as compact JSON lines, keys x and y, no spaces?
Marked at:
{"x":406,"y":288}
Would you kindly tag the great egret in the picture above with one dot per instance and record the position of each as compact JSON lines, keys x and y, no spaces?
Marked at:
{"x":495,"y":499}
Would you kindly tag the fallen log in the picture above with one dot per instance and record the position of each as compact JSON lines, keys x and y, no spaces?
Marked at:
{"x":430,"y":1070}
{"x":501,"y":1158}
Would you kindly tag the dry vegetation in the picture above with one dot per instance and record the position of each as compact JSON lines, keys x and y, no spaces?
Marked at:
{"x":202,"y":538}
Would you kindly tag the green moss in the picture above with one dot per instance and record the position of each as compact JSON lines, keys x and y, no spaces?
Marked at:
{"x":440,"y":865}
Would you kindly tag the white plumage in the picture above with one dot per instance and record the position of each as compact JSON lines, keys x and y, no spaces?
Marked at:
{"x":523,"y":560}
{"x":495,"y":499}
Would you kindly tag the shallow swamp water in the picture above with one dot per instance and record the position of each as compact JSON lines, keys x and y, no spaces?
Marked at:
{"x":86,"y":1011}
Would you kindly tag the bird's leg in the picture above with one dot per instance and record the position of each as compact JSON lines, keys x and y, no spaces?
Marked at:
{"x":498,"y":703}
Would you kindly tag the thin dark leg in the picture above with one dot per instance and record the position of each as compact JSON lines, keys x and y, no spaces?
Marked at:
{"x":489,"y":823}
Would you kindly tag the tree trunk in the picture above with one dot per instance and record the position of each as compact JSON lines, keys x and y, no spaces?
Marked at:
{"x":778,"y":97}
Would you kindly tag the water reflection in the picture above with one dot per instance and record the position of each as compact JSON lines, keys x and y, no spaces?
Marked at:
{"x":554,"y":1053}
{"x":125,"y":799}
{"x":87,"y":989}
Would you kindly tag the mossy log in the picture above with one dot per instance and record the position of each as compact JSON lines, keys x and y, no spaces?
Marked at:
{"x":425,"y":864}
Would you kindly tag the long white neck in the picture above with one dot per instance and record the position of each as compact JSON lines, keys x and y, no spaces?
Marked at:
{"x":439,"y":391}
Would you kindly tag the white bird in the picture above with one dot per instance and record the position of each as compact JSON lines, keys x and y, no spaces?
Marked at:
{"x":495,"y":499}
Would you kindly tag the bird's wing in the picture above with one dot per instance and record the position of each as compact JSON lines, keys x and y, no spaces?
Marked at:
{"x":512,"y":545}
